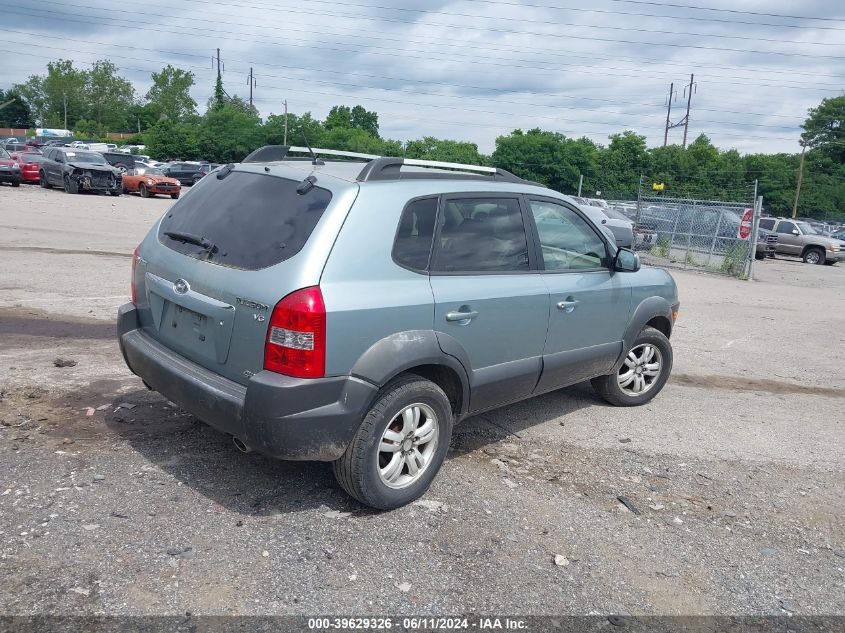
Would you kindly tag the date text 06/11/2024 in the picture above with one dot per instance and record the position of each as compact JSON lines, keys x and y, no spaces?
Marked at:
{"x":418,"y":623}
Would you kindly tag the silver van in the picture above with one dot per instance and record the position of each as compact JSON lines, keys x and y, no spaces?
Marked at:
{"x":352,"y":310}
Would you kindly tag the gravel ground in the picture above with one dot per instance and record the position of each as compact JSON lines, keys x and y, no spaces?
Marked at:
{"x":721,"y":496}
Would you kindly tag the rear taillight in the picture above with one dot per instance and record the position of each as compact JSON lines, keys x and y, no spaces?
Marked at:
{"x":134,"y":266}
{"x":296,"y":336}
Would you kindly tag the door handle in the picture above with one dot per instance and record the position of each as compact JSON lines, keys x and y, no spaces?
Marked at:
{"x":461,"y":316}
{"x":567,"y":306}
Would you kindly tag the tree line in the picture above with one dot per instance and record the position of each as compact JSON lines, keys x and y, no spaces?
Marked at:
{"x":166,"y":119}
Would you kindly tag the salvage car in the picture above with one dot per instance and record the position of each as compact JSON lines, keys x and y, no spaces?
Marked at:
{"x":78,"y":170}
{"x":151,"y":182}
{"x":271,"y":305}
{"x":10,"y":171}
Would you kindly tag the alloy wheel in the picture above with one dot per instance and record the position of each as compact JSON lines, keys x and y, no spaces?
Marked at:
{"x":640,"y":370}
{"x":408,"y":445}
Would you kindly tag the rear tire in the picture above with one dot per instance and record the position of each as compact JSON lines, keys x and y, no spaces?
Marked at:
{"x":42,"y":180}
{"x":410,"y":409}
{"x":610,"y":387}
{"x":813,"y":256}
{"x":16,"y":183}
{"x":142,"y":189}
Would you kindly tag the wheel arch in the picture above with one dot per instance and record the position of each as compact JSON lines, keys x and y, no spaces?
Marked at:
{"x":654,"y":312}
{"x":415,"y":352}
{"x":812,"y":247}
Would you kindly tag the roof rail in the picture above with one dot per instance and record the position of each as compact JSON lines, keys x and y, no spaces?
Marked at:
{"x":390,"y":169}
{"x":386,"y":167}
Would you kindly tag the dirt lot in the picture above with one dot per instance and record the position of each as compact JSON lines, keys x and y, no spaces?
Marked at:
{"x":733,"y":475}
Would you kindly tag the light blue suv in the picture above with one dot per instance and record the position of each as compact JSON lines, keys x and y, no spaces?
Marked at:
{"x":353,"y":310}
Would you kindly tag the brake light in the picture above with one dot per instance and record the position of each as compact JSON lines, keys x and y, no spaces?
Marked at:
{"x":134,"y":266}
{"x":296,"y":337}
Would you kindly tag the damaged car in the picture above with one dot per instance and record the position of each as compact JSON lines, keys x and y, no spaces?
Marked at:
{"x":77,"y":171}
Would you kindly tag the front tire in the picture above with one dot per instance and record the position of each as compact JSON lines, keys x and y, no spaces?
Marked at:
{"x":400,"y":445}
{"x":175,"y":196}
{"x":813,"y":256}
{"x":643,"y":373}
{"x":70,"y":186}
{"x":142,"y":189}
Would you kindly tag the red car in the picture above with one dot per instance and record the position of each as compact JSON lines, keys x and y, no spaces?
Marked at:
{"x":10,"y":171}
{"x":30,"y":163}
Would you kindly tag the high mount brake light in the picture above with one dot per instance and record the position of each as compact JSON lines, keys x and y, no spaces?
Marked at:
{"x":134,"y":266}
{"x":296,"y":337}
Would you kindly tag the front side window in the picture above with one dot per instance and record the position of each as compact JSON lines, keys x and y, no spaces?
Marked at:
{"x":481,"y":235}
{"x":786,"y":228}
{"x":567,"y":241}
{"x":416,"y":230}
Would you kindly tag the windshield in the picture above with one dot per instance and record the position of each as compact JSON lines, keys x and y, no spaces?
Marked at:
{"x":84,"y":157}
{"x":806,"y":229}
{"x":153,"y":171}
{"x":616,"y":215}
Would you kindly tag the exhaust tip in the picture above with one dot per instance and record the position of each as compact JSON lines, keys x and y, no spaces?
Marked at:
{"x":243,"y":448}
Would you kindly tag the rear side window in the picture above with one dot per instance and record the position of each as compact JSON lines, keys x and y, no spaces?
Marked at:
{"x":767,"y":224}
{"x":413,"y":237}
{"x":481,"y":235}
{"x":245,"y":220}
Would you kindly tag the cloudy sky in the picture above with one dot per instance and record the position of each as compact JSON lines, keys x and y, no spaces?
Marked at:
{"x":473,"y":69}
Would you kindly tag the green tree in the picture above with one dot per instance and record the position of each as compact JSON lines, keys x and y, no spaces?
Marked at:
{"x":824,"y":128}
{"x":300,"y":127}
{"x":14,"y":111}
{"x":169,"y":140}
{"x":622,"y":163}
{"x":227,"y":134}
{"x":62,"y":91}
{"x":218,"y":99}
{"x":549,"y":158}
{"x":171,"y":93}
{"x":109,"y":96}
{"x":430,"y":148}
{"x":356,"y":118}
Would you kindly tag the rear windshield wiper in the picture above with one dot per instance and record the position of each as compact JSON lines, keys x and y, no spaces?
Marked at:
{"x":190,"y":238}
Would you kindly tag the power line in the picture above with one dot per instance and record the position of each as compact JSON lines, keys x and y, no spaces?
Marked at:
{"x":520,"y":103}
{"x":511,"y":31}
{"x":532,"y":67}
{"x":651,"y":15}
{"x":378,"y":101}
{"x":288,"y":10}
{"x":736,"y":11}
{"x":322,"y":70}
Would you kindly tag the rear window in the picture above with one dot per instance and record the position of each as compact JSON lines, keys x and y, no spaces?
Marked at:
{"x":247,"y":221}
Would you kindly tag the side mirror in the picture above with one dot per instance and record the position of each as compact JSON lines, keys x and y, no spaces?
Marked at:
{"x":795,"y":232}
{"x":626,"y":261}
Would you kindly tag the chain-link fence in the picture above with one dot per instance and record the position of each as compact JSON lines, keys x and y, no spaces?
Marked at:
{"x":717,"y":236}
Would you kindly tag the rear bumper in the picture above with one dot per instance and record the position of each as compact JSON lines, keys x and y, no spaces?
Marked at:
{"x":280,"y":416}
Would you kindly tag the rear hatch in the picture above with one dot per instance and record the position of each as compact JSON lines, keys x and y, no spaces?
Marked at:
{"x":209,"y":276}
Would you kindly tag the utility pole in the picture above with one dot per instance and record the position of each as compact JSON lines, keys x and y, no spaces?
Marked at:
{"x":689,"y":100}
{"x":64,"y":98}
{"x":800,"y":180}
{"x":251,"y":84}
{"x":286,"y":123}
{"x":668,"y":111}
{"x":218,"y":64}
{"x":581,"y":182}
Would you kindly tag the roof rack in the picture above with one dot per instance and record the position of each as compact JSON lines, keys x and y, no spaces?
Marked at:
{"x":385,"y":167}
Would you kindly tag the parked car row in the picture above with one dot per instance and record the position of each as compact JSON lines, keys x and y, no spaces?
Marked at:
{"x":77,"y":169}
